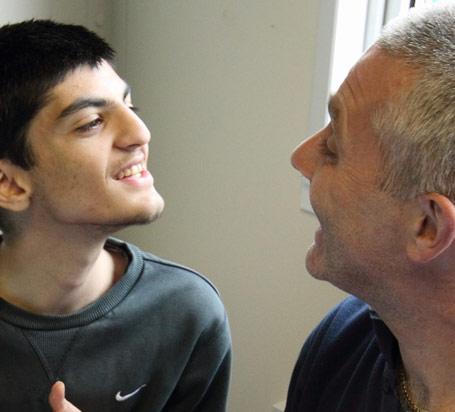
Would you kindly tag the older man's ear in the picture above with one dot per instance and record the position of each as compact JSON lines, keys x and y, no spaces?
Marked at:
{"x":433,"y":230}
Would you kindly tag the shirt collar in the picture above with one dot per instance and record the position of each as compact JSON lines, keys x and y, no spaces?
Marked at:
{"x":388,"y":344}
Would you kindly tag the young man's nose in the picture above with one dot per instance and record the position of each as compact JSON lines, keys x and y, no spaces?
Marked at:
{"x":132,"y":131}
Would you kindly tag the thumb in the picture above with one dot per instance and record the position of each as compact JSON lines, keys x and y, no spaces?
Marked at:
{"x":57,"y":397}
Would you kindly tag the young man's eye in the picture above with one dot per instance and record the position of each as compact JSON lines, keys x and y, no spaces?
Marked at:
{"x":134,"y":109}
{"x":90,"y":126}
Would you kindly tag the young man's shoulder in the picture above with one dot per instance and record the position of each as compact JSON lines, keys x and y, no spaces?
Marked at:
{"x":172,"y":286}
{"x":182,"y":273}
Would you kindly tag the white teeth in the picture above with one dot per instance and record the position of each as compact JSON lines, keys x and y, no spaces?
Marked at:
{"x":133,"y":171}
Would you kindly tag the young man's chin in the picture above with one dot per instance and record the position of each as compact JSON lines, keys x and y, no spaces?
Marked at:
{"x":144,"y":218}
{"x":111,"y":226}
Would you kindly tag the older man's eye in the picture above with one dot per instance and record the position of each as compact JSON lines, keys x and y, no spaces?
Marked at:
{"x":325,"y":150}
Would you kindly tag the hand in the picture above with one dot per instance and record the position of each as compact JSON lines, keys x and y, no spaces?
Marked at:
{"x":57,"y":399}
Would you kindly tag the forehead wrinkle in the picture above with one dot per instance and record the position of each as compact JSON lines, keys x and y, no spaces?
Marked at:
{"x":352,"y":98}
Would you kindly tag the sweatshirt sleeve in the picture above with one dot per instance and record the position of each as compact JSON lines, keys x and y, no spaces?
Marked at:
{"x":204,"y":384}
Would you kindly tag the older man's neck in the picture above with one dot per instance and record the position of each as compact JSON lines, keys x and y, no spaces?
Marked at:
{"x":425,"y":330}
{"x":429,"y":373}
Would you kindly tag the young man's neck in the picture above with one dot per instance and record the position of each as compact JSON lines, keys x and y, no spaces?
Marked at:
{"x":57,"y":274}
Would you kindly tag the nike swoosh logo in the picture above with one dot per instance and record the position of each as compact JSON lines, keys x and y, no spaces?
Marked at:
{"x":121,"y":398}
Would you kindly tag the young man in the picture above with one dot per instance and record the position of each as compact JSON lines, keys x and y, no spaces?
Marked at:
{"x":383,"y":188}
{"x":123,"y":329}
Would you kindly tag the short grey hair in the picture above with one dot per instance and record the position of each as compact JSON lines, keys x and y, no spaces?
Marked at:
{"x":416,"y":132}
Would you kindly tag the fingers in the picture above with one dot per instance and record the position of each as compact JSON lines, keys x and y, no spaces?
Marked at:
{"x":57,"y":399}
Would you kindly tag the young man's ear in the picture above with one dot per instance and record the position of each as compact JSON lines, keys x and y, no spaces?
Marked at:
{"x":15,"y":187}
{"x":433,"y":229}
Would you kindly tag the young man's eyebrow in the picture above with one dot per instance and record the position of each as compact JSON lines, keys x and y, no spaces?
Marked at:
{"x":81,"y":104}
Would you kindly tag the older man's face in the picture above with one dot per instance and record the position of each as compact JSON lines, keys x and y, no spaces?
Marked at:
{"x":360,"y":225}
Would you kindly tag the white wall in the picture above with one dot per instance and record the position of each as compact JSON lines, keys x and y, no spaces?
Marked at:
{"x":91,"y":13}
{"x":224,"y":85}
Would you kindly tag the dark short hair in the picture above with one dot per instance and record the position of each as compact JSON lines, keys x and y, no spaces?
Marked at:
{"x":36,"y":55}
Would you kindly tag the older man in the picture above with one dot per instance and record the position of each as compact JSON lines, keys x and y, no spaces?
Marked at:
{"x":383,"y":188}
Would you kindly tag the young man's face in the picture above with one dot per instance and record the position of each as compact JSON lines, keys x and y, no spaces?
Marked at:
{"x":91,"y":150}
{"x":362,"y":228}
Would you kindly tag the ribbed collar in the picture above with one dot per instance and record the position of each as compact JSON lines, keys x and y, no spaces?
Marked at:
{"x":388,"y":345}
{"x":387,"y":342}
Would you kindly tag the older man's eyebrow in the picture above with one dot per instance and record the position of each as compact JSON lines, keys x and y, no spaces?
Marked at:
{"x":84,"y":103}
{"x":334,"y":109}
{"x":336,"y":112}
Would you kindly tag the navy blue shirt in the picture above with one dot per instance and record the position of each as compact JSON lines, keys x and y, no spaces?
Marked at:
{"x":348,"y":364}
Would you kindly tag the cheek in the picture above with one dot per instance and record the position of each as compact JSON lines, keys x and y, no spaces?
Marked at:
{"x":67,"y":179}
{"x":324,"y":191}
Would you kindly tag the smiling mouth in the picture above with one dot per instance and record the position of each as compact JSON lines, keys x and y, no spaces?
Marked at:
{"x":133,"y":171}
